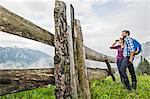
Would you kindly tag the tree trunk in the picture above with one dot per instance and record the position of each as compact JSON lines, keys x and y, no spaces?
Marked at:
{"x":83,"y":79}
{"x":61,"y":58}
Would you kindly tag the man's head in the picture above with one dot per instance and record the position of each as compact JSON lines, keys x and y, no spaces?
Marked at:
{"x":125,"y":33}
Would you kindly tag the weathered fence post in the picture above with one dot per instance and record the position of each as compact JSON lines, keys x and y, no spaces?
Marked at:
{"x":74,"y":36}
{"x":110,"y":70}
{"x":83,"y":79}
{"x":73,"y":77}
{"x":61,"y":58}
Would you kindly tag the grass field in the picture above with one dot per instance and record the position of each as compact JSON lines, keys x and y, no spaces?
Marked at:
{"x":108,"y":89}
{"x":104,"y":89}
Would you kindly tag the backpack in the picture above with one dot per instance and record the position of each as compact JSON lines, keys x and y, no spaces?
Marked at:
{"x":137,"y":46}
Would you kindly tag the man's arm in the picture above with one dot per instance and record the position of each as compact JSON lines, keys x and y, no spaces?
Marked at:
{"x":131,"y":56}
{"x":131,"y":48}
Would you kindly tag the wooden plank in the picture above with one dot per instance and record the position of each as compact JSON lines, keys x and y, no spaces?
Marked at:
{"x":110,"y":71}
{"x":61,"y":58}
{"x":83,"y":79}
{"x":93,"y":55}
{"x":16,"y":80}
{"x":14,"y":24}
{"x":24,"y":79}
{"x":75,"y":90}
{"x":73,"y":78}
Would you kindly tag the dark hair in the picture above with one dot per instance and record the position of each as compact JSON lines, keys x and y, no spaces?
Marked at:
{"x":128,"y":32}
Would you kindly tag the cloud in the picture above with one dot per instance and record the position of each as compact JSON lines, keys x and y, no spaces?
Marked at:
{"x":106,"y":22}
{"x":102,"y":20}
{"x":39,"y":12}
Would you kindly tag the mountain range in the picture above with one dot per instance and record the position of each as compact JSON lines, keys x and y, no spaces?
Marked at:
{"x":13,"y":57}
{"x":25,"y":58}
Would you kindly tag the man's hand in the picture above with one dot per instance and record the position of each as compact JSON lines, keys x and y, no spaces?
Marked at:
{"x":131,"y":57}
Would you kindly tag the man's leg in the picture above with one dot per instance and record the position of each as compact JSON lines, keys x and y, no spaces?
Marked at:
{"x":133,"y":76}
{"x":124,"y":65}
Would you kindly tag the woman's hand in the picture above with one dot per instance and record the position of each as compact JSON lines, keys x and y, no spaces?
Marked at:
{"x":130,"y":60}
{"x":114,"y":44}
{"x":116,"y":41}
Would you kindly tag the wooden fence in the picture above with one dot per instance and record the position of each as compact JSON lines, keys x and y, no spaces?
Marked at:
{"x":70,"y":75}
{"x":17,"y":80}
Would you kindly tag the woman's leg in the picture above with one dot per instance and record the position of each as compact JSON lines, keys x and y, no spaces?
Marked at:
{"x":119,"y":62}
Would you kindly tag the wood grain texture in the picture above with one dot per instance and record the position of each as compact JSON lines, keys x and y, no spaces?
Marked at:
{"x":16,"y":80}
{"x":82,"y":69}
{"x":14,"y":24}
{"x":61,"y":58}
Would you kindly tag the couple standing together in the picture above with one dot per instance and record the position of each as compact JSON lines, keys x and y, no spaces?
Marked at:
{"x":126,"y":52}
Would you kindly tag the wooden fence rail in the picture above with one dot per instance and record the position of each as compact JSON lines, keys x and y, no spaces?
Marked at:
{"x":16,"y":80}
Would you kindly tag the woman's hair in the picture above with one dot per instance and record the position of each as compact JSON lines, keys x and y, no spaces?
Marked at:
{"x":121,"y":38}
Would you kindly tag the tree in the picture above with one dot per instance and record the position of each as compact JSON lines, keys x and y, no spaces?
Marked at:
{"x":143,"y":67}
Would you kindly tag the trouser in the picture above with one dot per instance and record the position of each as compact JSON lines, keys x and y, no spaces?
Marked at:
{"x":126,"y":64}
{"x":119,"y":62}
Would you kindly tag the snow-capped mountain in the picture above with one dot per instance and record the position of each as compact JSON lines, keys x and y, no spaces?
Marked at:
{"x":13,"y":58}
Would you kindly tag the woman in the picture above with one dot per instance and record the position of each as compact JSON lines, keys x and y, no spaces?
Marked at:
{"x":119,"y":45}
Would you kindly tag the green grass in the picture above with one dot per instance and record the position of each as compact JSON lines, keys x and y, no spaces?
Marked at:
{"x":39,"y":93}
{"x":107,"y":89}
{"x":104,"y":89}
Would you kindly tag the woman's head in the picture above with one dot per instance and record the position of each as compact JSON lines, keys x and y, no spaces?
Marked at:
{"x":121,"y":40}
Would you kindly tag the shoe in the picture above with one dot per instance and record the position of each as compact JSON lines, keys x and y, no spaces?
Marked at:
{"x":134,"y":85}
{"x":129,"y":88}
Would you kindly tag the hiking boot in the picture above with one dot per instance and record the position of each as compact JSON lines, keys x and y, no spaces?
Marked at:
{"x":129,"y":88}
{"x":134,"y":85}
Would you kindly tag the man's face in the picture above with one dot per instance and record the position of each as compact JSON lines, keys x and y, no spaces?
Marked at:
{"x":124,"y":34}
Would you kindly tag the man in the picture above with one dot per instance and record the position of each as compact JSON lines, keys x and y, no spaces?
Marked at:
{"x":128,"y":53}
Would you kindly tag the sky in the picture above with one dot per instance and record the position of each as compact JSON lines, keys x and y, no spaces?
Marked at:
{"x":101,"y":20}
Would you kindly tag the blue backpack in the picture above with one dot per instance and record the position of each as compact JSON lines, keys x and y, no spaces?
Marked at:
{"x":137,"y":46}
